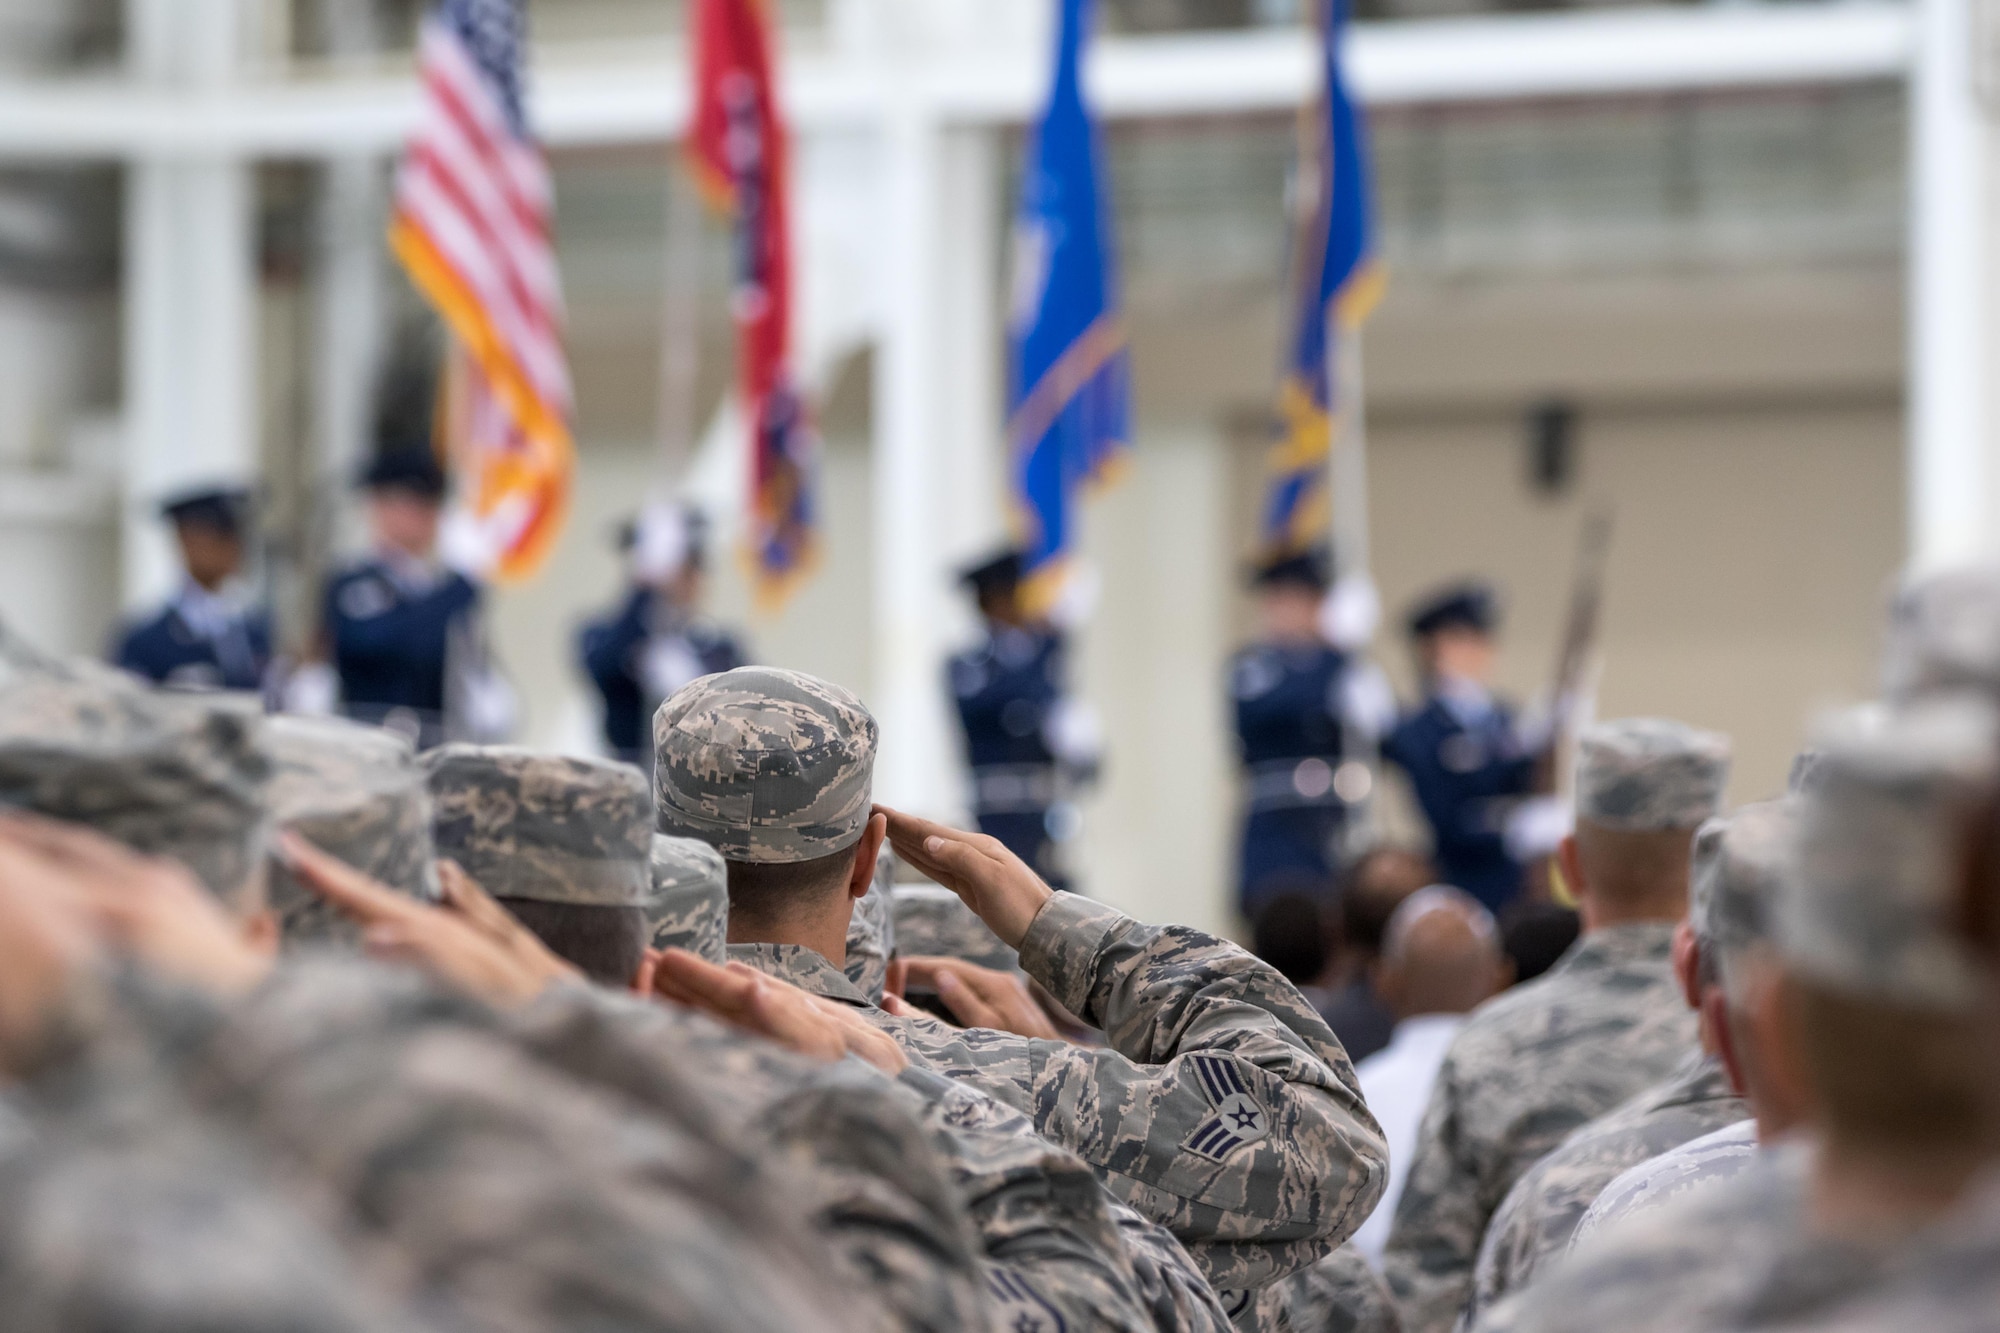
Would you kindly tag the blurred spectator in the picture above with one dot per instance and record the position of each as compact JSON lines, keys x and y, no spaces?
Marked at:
{"x":1291,"y":935}
{"x":1376,"y":885}
{"x":1536,"y":935}
{"x":1440,"y":960}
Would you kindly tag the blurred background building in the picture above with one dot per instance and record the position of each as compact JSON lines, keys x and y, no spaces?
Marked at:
{"x":1720,"y":265}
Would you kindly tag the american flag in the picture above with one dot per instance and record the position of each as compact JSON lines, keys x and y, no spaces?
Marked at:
{"x":472,"y":226}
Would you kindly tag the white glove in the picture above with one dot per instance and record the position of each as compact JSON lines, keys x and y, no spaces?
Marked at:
{"x":468,"y":544}
{"x":313,"y":688}
{"x":1350,"y":613}
{"x":1074,"y":734}
{"x":491,"y":707}
{"x":660,"y":549}
{"x":1535,"y":827}
{"x":1077,"y":597}
{"x":1366,"y":703}
{"x":667,"y":664}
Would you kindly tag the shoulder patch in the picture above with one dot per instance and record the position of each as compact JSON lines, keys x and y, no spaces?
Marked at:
{"x":1238,"y":1118}
{"x":1234,"y":1300}
{"x":1021,"y":1308}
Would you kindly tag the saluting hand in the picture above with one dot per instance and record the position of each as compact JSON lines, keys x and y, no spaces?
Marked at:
{"x":978,"y":997}
{"x":996,"y":884}
{"x":815,"y":1027}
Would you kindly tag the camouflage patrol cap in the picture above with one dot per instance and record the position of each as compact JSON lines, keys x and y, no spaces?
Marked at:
{"x":1944,"y":634}
{"x":1872,"y":906}
{"x":935,"y":922}
{"x":356,"y":792}
{"x":871,"y":930}
{"x":689,"y":906}
{"x":1739,"y":861}
{"x":1649,"y":774}
{"x":764,"y":765}
{"x":540,"y":826}
{"x":168,"y":775}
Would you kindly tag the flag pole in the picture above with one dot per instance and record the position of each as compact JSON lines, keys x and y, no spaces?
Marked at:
{"x":1356,"y":780}
{"x":680,"y":328}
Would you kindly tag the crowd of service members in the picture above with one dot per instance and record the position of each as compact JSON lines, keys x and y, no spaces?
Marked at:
{"x":304,"y":1028}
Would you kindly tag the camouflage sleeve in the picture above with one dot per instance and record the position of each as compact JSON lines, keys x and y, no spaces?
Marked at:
{"x":1055,"y":1255}
{"x":851,"y":1146}
{"x":1226,"y":1109}
{"x":1170,"y":1285}
{"x":1439,"y":1218}
{"x":1339,"y":1294}
{"x":1513,"y":1243}
{"x":510,"y":1196}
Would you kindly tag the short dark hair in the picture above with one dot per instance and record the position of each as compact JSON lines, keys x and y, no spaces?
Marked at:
{"x":1290,"y":935}
{"x":606,"y":943}
{"x":1373,"y":888}
{"x":1535,"y":935}
{"x":764,"y":893}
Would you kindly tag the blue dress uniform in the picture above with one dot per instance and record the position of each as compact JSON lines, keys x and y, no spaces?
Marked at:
{"x":640,"y":656}
{"x":202,"y":639}
{"x":198,"y":641}
{"x":1291,"y":737}
{"x":392,"y":631}
{"x":1007,"y":690}
{"x":1466,"y":763}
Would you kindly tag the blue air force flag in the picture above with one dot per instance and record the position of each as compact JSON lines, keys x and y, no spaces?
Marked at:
{"x":1067,"y":388}
{"x":1335,"y":282}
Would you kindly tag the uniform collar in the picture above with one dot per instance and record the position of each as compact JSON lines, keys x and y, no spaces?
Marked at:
{"x":800,"y":966}
{"x":208,"y":614}
{"x":1468,"y":702}
{"x":414,"y":575}
{"x":1618,"y":946}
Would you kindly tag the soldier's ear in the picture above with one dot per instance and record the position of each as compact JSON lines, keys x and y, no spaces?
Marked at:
{"x":861,"y":874}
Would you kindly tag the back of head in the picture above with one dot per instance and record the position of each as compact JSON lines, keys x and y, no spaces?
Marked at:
{"x":565,"y":843}
{"x":1738,"y":863}
{"x":1441,"y":953}
{"x":773,"y":769}
{"x":357,"y":793}
{"x":1377,"y":883}
{"x":180,"y":776}
{"x":1290,"y":935}
{"x":1643,"y":785}
{"x":1944,"y":635}
{"x":1536,"y":935}
{"x":689,"y":905}
{"x":1869,"y":926}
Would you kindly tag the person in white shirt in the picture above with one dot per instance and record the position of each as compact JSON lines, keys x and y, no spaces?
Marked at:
{"x":1441,"y":959}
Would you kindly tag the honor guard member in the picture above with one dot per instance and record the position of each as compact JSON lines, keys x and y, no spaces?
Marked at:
{"x":1023,"y":738}
{"x":405,"y":629}
{"x":658,"y":640}
{"x":1467,"y":760}
{"x":1302,"y":706}
{"x":206,"y":637}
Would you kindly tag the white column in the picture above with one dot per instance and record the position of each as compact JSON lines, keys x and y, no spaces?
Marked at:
{"x":190,"y":294}
{"x":1951,"y":440}
{"x":915,"y":767}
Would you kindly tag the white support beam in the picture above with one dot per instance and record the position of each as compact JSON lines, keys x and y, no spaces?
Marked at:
{"x":190,"y":295}
{"x":645,"y":99}
{"x":1952,"y":438}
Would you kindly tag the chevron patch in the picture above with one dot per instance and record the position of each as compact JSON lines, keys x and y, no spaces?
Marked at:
{"x":1238,"y":1119}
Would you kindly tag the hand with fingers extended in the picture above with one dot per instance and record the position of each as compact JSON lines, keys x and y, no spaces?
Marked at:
{"x":469,"y":942}
{"x":147,"y":907}
{"x":996,"y":884}
{"x":978,"y":997}
{"x":746,"y":998}
{"x":47,"y":946}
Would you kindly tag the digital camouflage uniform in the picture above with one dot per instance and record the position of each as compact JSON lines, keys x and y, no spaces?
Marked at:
{"x":1533,"y":1224}
{"x":1687,"y":1266}
{"x":1542,"y":1059}
{"x":181,"y":776}
{"x":1869,"y":909}
{"x":689,"y":904}
{"x":355,"y":792}
{"x":1339,"y":1294}
{"x":1659,"y":1181}
{"x":1737,"y":862}
{"x":543,"y":827}
{"x":932,"y":921}
{"x":871,"y":932}
{"x":1224,"y":1110}
{"x":122,"y":1212}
